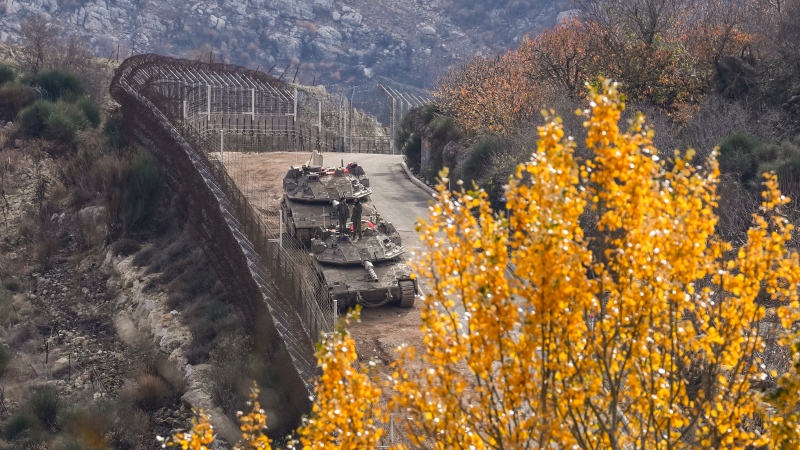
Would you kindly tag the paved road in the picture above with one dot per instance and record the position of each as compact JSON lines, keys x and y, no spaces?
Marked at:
{"x":398,"y":200}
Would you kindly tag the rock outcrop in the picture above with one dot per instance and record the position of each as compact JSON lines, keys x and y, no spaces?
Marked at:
{"x":333,"y":41}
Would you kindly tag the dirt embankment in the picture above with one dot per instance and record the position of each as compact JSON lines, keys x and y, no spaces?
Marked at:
{"x":71,"y":361}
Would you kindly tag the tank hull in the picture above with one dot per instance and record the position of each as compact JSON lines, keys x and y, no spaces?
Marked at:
{"x":352,"y":285}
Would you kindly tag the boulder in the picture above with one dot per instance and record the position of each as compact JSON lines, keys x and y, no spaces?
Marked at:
{"x":352,"y":19}
{"x":428,"y":30}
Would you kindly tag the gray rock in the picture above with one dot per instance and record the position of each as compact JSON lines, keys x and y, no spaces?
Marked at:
{"x":325,"y":5}
{"x":329,"y":35}
{"x":352,"y":19}
{"x":289,"y":47}
{"x":428,"y":30}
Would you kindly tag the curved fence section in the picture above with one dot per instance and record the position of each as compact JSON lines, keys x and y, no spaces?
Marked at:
{"x":272,"y":284}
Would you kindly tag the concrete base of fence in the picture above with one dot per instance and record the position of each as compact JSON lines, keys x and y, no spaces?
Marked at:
{"x":416,"y":180}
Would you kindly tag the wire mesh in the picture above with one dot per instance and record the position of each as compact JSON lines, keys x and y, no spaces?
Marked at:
{"x":202,"y":120}
{"x":257,"y":271}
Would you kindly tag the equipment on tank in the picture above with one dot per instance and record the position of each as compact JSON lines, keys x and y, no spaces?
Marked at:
{"x":313,"y":183}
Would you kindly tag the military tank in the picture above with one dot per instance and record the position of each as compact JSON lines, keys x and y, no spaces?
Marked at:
{"x":368,"y":271}
{"x":312,"y":183}
{"x":310,"y":192}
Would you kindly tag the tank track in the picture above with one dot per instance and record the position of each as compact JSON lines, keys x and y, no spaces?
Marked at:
{"x":408,"y":293}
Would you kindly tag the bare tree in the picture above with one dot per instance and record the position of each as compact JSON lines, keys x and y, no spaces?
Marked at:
{"x":39,"y":36}
{"x":644,"y":19}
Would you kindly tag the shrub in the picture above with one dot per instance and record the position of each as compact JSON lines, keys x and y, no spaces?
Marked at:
{"x":62,"y":126}
{"x":90,"y":111}
{"x":45,"y":404}
{"x":20,"y":425}
{"x":58,"y":84}
{"x":409,"y":142}
{"x":113,"y":130}
{"x":7,"y":74}
{"x":125,"y":247}
{"x":153,"y":393}
{"x":45,"y":250}
{"x":229,"y":370}
{"x":144,"y":257}
{"x":144,"y":185}
{"x":33,"y":119}
{"x":477,"y":162}
{"x":14,"y":97}
{"x":6,"y":355}
{"x":738,"y":155}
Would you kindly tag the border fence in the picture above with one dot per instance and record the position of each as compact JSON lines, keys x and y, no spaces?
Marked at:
{"x":199,"y":120}
{"x":271,"y":283}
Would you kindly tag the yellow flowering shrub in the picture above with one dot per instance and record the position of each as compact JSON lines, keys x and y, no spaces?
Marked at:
{"x":345,"y":400}
{"x":601,"y":311}
{"x":201,"y":435}
{"x":344,"y":413}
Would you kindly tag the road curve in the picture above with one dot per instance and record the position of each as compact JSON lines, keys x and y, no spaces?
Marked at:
{"x":398,"y":200}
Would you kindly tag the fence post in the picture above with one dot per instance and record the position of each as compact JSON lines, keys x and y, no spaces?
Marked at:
{"x":319,"y":123}
{"x":221,"y":145}
{"x":280,"y":228}
{"x":294,"y":112}
{"x":208,"y":101}
{"x":335,"y":313}
{"x":252,"y":104}
{"x":391,"y":429}
{"x":391,"y":136}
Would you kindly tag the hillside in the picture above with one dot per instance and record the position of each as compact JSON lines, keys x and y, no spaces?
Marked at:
{"x":322,"y":41}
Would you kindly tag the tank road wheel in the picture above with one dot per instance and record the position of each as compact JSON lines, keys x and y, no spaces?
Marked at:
{"x":407,"y":294}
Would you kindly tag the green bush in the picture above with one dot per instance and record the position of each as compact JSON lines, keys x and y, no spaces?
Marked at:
{"x":477,"y":161}
{"x":33,"y":119}
{"x":45,"y":405}
{"x":59,"y":122}
{"x":14,"y":96}
{"x":738,"y":155}
{"x":20,"y":425}
{"x":409,"y":142}
{"x":90,"y":111}
{"x":113,"y":130}
{"x":6,"y":355}
{"x":7,"y":74}
{"x":58,"y":84}
{"x":62,"y":126}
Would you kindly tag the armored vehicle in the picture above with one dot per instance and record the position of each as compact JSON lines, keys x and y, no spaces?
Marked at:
{"x":312,"y":183}
{"x":306,"y":221}
{"x":311,"y":190}
{"x":369,"y":271}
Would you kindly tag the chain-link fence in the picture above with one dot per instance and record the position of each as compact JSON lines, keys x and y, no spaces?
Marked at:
{"x":265,"y":278}
{"x":201,"y":121}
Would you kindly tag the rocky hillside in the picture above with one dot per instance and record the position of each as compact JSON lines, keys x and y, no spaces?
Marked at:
{"x":324,"y":41}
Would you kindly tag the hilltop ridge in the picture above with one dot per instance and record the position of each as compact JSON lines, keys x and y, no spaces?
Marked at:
{"x":318,"y":41}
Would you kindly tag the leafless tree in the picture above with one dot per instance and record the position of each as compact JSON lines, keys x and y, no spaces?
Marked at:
{"x":644,"y":19}
{"x":39,"y":36}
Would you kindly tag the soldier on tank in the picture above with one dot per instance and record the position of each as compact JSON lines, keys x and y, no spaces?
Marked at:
{"x":343,"y":212}
{"x":357,"y":218}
